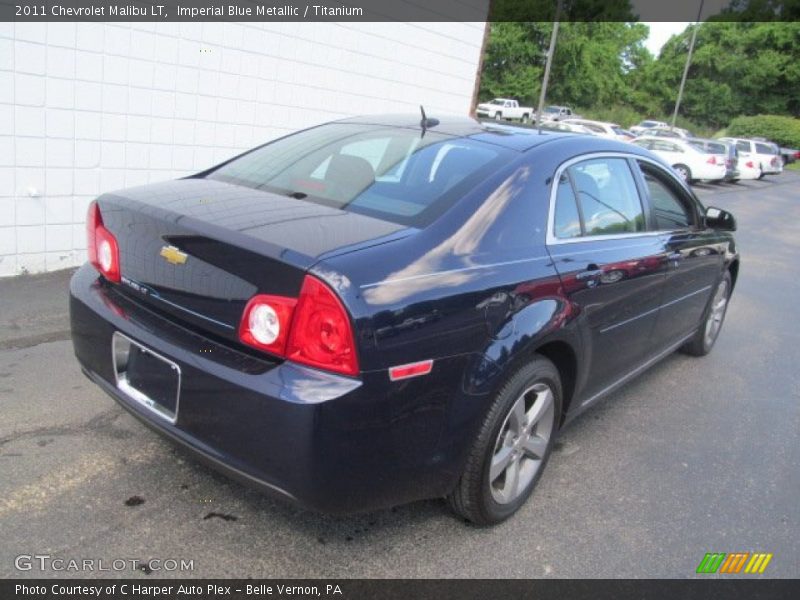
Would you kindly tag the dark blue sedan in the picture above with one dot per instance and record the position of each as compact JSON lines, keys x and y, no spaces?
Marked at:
{"x":380,"y":310}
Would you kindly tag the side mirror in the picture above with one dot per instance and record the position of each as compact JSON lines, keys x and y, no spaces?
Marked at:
{"x":719,"y":219}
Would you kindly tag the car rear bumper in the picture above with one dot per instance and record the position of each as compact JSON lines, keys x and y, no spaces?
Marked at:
{"x":326,"y":442}
{"x":709,"y":172}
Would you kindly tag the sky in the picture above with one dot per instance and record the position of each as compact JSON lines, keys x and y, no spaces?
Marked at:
{"x":660,"y":34}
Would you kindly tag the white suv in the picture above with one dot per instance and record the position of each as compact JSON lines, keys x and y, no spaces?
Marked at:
{"x":766,"y":155}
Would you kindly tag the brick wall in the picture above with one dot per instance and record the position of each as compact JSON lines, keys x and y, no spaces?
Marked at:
{"x":87,"y":108}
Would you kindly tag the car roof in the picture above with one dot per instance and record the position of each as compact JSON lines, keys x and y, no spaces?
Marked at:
{"x":507,"y":136}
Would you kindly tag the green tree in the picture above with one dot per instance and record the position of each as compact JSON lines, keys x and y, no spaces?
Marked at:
{"x":591,"y":65}
{"x":737,"y":69}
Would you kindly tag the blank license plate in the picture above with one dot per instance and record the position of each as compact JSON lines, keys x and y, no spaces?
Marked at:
{"x":147,"y":377}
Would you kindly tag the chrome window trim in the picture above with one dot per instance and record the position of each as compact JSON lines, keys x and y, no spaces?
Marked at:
{"x":550,"y":237}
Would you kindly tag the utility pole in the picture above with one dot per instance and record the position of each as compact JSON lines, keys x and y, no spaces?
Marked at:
{"x":547,"y":64}
{"x":688,"y":62}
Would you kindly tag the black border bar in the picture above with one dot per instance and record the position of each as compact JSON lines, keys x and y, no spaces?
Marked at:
{"x":399,"y":589}
{"x":395,"y":10}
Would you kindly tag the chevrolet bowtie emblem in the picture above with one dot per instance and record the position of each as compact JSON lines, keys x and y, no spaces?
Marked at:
{"x":173,"y":256}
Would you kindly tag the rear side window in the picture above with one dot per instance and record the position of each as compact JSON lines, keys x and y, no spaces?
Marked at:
{"x":608,"y":202}
{"x":567,"y":218}
{"x":743,"y":146}
{"x":390,"y":173}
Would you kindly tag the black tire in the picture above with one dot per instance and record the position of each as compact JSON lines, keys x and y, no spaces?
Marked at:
{"x":472,"y":497}
{"x":498,"y":116}
{"x":526,"y":118}
{"x":701,"y":344}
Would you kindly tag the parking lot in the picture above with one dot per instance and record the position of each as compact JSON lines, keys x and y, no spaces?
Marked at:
{"x":694,"y":456}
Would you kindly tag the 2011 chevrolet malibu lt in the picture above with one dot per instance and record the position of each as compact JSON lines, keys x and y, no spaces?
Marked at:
{"x":381,"y":310}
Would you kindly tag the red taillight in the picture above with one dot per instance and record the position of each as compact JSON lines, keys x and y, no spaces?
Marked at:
{"x":102,"y":247}
{"x":712,"y":160}
{"x":313,"y":329}
{"x":749,"y":164}
{"x":266,"y":322}
{"x":321,"y":334}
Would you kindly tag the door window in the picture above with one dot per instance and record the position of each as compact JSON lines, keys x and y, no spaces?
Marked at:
{"x":669,"y":211}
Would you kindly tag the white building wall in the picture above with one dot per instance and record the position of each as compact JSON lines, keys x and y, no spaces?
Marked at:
{"x":87,"y":108}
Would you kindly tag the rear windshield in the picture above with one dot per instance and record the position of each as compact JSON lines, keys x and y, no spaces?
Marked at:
{"x":390,"y":173}
{"x":717,"y":148}
{"x":765,"y":149}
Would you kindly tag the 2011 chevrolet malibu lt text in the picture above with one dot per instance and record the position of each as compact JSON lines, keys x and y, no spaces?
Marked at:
{"x":381,"y":310}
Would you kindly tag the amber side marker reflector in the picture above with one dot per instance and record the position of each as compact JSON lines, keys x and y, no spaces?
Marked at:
{"x":410,"y":370}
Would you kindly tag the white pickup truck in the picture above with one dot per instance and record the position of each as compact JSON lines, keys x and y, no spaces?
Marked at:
{"x":557,"y":113}
{"x":504,"y":109}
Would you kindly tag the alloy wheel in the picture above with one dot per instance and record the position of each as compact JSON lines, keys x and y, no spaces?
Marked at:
{"x":718,"y":306}
{"x":522,"y":443}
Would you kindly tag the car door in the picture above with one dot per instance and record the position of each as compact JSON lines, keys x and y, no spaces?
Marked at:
{"x":694,"y":254}
{"x":611,"y":266}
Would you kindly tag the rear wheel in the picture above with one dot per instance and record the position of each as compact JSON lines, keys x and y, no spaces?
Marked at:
{"x":526,"y":118}
{"x":683,"y":172}
{"x":512,"y":447}
{"x":707,"y":334}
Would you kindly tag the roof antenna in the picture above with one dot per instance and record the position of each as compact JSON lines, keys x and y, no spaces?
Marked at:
{"x":426,"y":122}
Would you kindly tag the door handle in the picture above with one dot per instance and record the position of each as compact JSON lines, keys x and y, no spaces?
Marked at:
{"x":591,"y":272}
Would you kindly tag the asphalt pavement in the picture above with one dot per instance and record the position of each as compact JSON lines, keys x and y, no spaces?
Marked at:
{"x":694,"y":456}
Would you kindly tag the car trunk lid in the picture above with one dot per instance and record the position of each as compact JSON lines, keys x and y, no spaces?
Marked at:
{"x":199,"y":249}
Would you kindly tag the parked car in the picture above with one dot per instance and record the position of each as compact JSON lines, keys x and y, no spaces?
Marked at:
{"x":765,"y":154}
{"x":378,"y":310}
{"x":625,"y":135}
{"x":556,"y":113}
{"x":648,"y":126}
{"x":748,"y":168}
{"x":690,"y":162}
{"x":789,"y":155}
{"x":724,"y":152}
{"x":565,"y":126}
{"x":506,"y":109}
{"x":671,"y":132}
{"x":611,"y":131}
